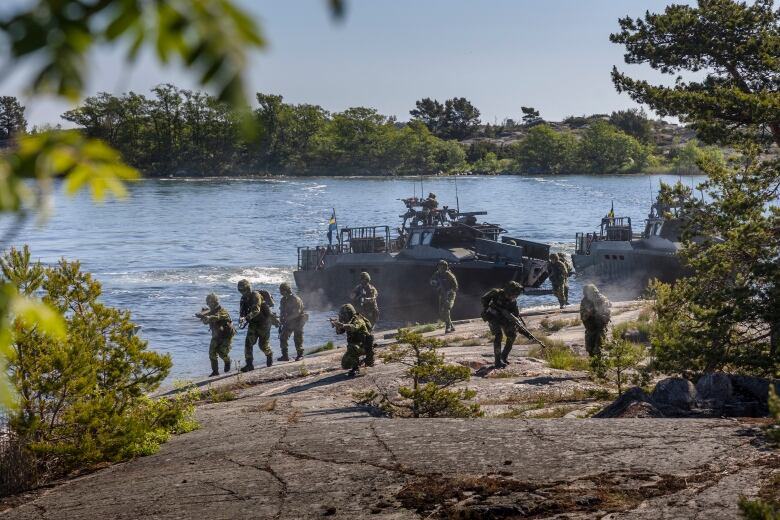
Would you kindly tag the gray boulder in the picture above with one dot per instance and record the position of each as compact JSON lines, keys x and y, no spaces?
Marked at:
{"x":674,"y":392}
{"x":634,"y":403}
{"x":715,"y":387}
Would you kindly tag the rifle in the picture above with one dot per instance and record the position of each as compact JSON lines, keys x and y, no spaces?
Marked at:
{"x":204,"y":311}
{"x":520,"y":325}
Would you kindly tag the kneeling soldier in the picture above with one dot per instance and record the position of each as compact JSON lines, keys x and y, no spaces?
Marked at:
{"x":496,"y":303}
{"x":222,"y":332}
{"x":360,"y":341}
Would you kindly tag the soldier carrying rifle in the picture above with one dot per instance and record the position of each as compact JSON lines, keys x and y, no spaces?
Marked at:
{"x":500,"y":311}
{"x":222,"y":332}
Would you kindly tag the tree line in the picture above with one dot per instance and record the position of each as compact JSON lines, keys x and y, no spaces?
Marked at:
{"x":181,"y":132}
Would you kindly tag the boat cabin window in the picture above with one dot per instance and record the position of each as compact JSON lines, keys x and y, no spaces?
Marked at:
{"x":420,"y":238}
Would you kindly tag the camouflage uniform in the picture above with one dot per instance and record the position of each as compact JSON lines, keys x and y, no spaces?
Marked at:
{"x":595,"y":315}
{"x":493,"y":302}
{"x":364,"y":299}
{"x":558,"y":279}
{"x":446,"y":285}
{"x":360,"y":341}
{"x":292,"y":320}
{"x":569,"y":270}
{"x":258,"y":318}
{"x":222,"y":332}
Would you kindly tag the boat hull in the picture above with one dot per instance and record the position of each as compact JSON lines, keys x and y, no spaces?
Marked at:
{"x":405,"y":293}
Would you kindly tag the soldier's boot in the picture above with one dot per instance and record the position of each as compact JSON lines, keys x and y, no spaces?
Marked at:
{"x":505,"y":353}
{"x":214,"y":368}
{"x":269,"y":360}
{"x":497,"y":363}
{"x":227,"y":366}
{"x":283,"y":357}
{"x":354,"y":372}
{"x":248,"y":367}
{"x":299,"y":355}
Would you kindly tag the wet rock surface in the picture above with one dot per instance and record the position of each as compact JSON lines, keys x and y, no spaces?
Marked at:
{"x":295,"y":445}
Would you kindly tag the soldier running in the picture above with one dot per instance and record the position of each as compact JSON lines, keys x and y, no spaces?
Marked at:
{"x":495,"y":303}
{"x":292,"y":319}
{"x":595,"y":315}
{"x":360,"y":341}
{"x":257,"y":318}
{"x":364,"y":299}
{"x":446,"y":286}
{"x":222,"y":332}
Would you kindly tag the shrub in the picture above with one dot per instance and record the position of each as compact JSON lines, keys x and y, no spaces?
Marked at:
{"x":82,"y":399}
{"x":558,"y":355}
{"x":430,"y":394}
{"x":556,"y":325}
{"x":324,"y":348}
{"x":618,"y":362}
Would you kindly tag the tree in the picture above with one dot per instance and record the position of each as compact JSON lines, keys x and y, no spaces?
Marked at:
{"x":431,"y":113}
{"x":729,"y":315}
{"x":430,"y":394}
{"x":618,"y":361}
{"x":545,"y":151}
{"x":604,"y":149}
{"x":634,"y":122}
{"x":531,"y":117}
{"x":461,"y":118}
{"x":182,"y":28}
{"x":12,"y":121}
{"x":82,"y":396}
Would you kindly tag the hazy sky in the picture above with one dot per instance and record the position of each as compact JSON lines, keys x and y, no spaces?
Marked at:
{"x":554,"y":55}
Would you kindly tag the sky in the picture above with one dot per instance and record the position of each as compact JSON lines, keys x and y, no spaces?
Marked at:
{"x":554,"y":55}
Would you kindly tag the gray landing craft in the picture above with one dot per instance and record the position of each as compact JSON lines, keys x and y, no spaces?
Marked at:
{"x":622,"y":262}
{"x":401,"y":263}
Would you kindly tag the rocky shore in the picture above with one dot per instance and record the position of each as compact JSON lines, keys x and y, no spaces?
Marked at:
{"x":291,"y":442}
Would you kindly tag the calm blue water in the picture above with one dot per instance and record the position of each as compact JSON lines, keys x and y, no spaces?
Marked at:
{"x":171,"y":242}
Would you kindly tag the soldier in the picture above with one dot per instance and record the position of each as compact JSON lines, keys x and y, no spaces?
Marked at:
{"x":292,"y":319}
{"x":222,"y":332}
{"x":364,"y":299}
{"x":595,"y":315}
{"x":360,"y":341}
{"x":430,"y":203}
{"x":558,"y":278}
{"x":495,"y":303}
{"x":446,"y":285}
{"x":569,"y":271}
{"x":257,"y":319}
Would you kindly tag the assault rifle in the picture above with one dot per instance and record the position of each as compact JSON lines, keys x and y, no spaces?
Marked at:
{"x":519,"y":324}
{"x":204,"y":311}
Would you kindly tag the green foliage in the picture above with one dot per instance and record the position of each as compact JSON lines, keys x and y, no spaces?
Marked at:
{"x":558,"y":355}
{"x":774,"y":411}
{"x":431,"y":394}
{"x":618,"y":362}
{"x":759,"y":509}
{"x":735,"y":45}
{"x":82,"y":396}
{"x":604,"y":149}
{"x":546,"y":151}
{"x":643,"y":328}
{"x":457,"y":118}
{"x":633,"y":122}
{"x":210,"y":36}
{"x":556,"y":325}
{"x":685,"y":159}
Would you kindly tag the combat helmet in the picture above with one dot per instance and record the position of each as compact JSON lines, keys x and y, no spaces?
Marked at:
{"x":443,"y":263}
{"x":284,"y":288}
{"x":243,"y":285}
{"x":554,"y":257}
{"x":212,"y":301}
{"x":514,"y":288}
{"x":365,"y":277}
{"x":431,"y":195}
{"x":347,"y":312}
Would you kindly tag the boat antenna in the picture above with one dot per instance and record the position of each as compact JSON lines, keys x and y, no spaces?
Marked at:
{"x":457,"y":201}
{"x":422,"y":189}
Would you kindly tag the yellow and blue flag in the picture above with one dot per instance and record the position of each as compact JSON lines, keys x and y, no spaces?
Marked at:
{"x":611,"y":214}
{"x":332,"y":226}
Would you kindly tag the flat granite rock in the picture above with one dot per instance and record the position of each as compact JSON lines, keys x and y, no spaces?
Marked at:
{"x":295,"y":445}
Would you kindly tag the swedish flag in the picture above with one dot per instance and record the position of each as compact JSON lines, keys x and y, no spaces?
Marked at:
{"x":332,"y":226}
{"x":611,"y":214}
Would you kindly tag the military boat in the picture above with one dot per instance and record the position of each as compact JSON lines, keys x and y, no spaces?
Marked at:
{"x":401,"y":262}
{"x":623,"y":262}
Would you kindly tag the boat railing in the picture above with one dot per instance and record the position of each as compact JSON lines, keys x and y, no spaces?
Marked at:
{"x":615,"y":229}
{"x":368,"y":239}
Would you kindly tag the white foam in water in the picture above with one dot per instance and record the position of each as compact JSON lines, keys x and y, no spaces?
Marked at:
{"x":264,"y":275}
